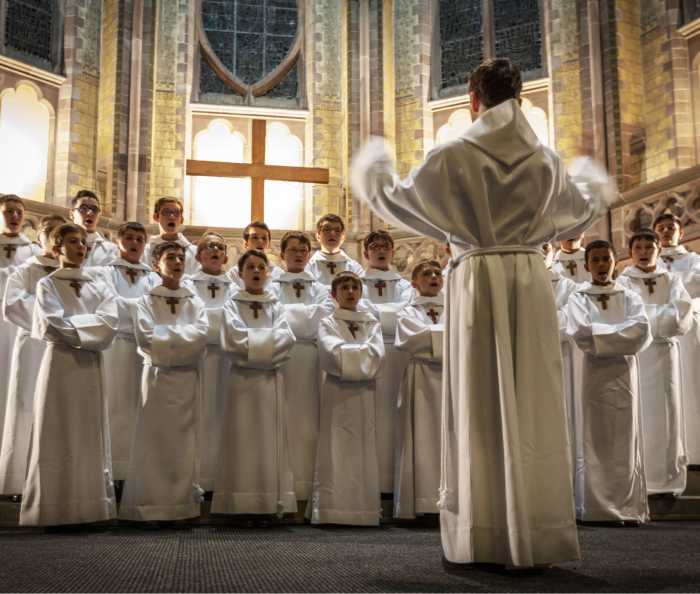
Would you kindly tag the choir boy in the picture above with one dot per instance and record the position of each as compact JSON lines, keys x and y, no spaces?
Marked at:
{"x":254,"y":475}
{"x":306,"y":302}
{"x":213,"y":288}
{"x":609,"y":324}
{"x":168,"y":213}
{"x":15,"y":248}
{"x":670,"y":312}
{"x":18,"y":308}
{"x":85,"y":212}
{"x":128,"y":279}
{"x":678,"y":259}
{"x":171,"y":332}
{"x":256,"y":236}
{"x":69,"y":476}
{"x":570,"y":261}
{"x":351,"y":350}
{"x":419,"y":331}
{"x":330,"y":260}
{"x":388,"y":292}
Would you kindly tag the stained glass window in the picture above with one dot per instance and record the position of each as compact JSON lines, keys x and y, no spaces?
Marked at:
{"x":29,"y":29}
{"x":518,"y":34}
{"x":461,"y":39}
{"x":691,"y":10}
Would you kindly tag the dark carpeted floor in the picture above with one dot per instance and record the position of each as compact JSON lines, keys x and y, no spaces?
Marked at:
{"x":663,"y":556}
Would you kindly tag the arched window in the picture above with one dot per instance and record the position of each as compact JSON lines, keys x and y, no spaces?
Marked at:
{"x":470,"y":30}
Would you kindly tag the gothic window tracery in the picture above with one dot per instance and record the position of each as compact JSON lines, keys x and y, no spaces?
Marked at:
{"x":31,"y":31}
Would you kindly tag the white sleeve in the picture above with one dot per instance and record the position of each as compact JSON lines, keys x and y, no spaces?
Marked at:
{"x":674,"y":318}
{"x":350,"y":361}
{"x":415,"y":336}
{"x":18,"y":304}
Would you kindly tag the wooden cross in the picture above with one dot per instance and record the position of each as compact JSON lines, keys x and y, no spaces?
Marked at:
{"x":132,"y":273}
{"x":256,"y":306}
{"x":353,"y":327}
{"x":213,"y":288}
{"x":258,"y":171}
{"x":9,"y":250}
{"x":650,"y":283}
{"x":434,"y":315}
{"x":172,"y":302}
{"x":75,"y":285}
{"x":603,"y":299}
{"x":331,"y":266}
{"x":298,"y":287}
{"x":380,"y":285}
{"x":571,"y":266}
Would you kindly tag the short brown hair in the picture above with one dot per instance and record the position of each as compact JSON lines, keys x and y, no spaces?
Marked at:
{"x":667,"y":215}
{"x":373,"y":236}
{"x":343,"y":276}
{"x":58,"y":235}
{"x":5,"y":198}
{"x":202,"y":243}
{"x":496,"y":80}
{"x":48,"y":223}
{"x":289,"y":235}
{"x":131,"y":226}
{"x":259,"y":225}
{"x":422,"y":265}
{"x":164,"y":200}
{"x":80,"y":194}
{"x":330,"y":218}
{"x":249,"y":254}
{"x":646,"y":234}
{"x":597,"y":245}
{"x":165,"y":246}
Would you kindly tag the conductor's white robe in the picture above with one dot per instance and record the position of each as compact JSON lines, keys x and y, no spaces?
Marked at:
{"x":419,"y":331}
{"x":346,"y":480}
{"x":687,"y":265}
{"x":162,"y":479}
{"x":610,"y":326}
{"x":389,"y":293}
{"x":122,"y":362}
{"x":69,"y":476}
{"x":254,"y":475}
{"x":304,"y":309}
{"x":670,"y":312}
{"x":324,"y":267}
{"x":506,"y":494}
{"x":572,"y":266}
{"x":18,"y":308}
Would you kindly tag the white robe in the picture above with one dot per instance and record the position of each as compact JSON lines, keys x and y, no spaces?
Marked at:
{"x":417,"y":484}
{"x":69,"y":475}
{"x":324,"y":267}
{"x":162,"y":478}
{"x":13,"y":252}
{"x":254,"y":474}
{"x":670,"y":312}
{"x":388,"y":292}
{"x":102,"y":251}
{"x":18,"y":308}
{"x":214,"y":291}
{"x":302,"y":376}
{"x":122,"y":363}
{"x":235,"y":277}
{"x":506,"y":494}
{"x":346,"y":479}
{"x":610,"y":326}
{"x":572,"y":266}
{"x":687,"y":265}
{"x":191,"y":264}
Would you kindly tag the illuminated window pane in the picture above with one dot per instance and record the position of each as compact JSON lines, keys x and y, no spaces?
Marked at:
{"x":283,"y":200}
{"x":537,"y":118}
{"x":24,"y":142}
{"x":458,"y":123}
{"x":220,"y":202}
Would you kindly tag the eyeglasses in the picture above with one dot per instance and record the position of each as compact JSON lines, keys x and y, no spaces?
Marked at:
{"x":170,"y":212}
{"x":215,"y":245}
{"x":88,"y":209}
{"x":379,"y":246}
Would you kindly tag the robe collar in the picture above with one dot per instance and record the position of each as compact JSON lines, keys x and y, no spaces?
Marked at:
{"x":180,"y":239}
{"x":592,"y":289}
{"x":504,"y":134}
{"x":354,"y":316}
{"x":375,"y":274}
{"x":290,"y":277}
{"x":20,"y":239}
{"x":162,"y":291}
{"x":201,"y":276}
{"x":126,"y":264}
{"x":679,"y":250}
{"x":243,"y":295}
{"x":634,"y":272}
{"x":341,"y":256}
{"x":42,"y":260}
{"x":94,"y":238}
{"x":562,"y":256}
{"x":437,"y":300}
{"x":71,"y":274}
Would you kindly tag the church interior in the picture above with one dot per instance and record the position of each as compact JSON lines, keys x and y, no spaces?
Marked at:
{"x":252,"y":110}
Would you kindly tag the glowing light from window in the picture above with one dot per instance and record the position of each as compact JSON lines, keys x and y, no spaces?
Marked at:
{"x":283,"y":200}
{"x":456,"y":125}
{"x":537,"y":117}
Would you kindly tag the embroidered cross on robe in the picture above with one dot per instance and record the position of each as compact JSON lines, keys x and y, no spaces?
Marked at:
{"x":256,"y":306}
{"x":433,"y":315}
{"x":173,"y":302}
{"x":298,"y":287}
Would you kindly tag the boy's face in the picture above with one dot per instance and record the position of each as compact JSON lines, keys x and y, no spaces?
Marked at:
{"x":296,"y":255}
{"x":213,"y":256}
{"x":171,"y":265}
{"x":13,"y":217}
{"x":348,"y":293}
{"x":644,"y":253}
{"x":73,"y":252}
{"x":131,"y":245}
{"x":429,"y":282}
{"x":379,"y":254}
{"x":571,"y":245}
{"x":548,"y":254}
{"x":254,"y":275}
{"x":86,"y":213}
{"x":601,"y":264}
{"x":258,"y":239}
{"x":169,"y":217}
{"x":669,"y":232}
{"x":331,"y":236}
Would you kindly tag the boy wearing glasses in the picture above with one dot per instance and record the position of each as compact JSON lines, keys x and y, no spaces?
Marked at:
{"x":331,"y":260}
{"x":86,"y":213}
{"x":167,"y":212}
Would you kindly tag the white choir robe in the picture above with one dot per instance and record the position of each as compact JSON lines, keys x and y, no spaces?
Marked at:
{"x":254,"y":475}
{"x":324,"y":267}
{"x":13,"y":252}
{"x":18,"y":308}
{"x":235,"y":277}
{"x":572,"y":266}
{"x":687,"y":264}
{"x":388,"y":292}
{"x":213,"y":290}
{"x":303,"y":308}
{"x":101,"y":251}
{"x":346,"y":479}
{"x":122,"y":362}
{"x":670,"y":312}
{"x":191,"y":264}
{"x":162,"y":482}
{"x":69,"y":474}
{"x":610,"y":326}
{"x":497,"y":194}
{"x":419,"y":331}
